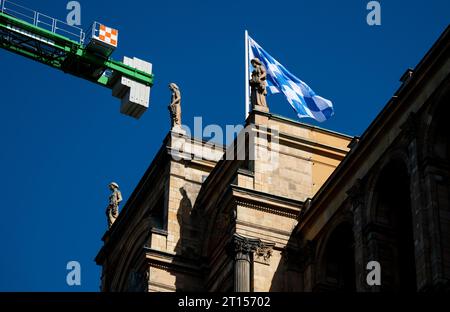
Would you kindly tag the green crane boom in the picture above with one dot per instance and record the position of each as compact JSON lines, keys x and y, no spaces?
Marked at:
{"x":30,"y":39}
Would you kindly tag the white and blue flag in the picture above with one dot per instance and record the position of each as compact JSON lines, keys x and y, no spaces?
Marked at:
{"x":301,"y":97}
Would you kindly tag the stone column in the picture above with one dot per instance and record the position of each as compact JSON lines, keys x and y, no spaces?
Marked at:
{"x":243,"y":249}
{"x":242,"y":272}
{"x":419,"y":203}
{"x":356,"y":196}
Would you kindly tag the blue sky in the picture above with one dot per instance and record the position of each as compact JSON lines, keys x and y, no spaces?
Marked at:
{"x":63,"y":139}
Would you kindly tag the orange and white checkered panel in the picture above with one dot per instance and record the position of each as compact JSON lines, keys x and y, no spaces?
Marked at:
{"x":108,"y":35}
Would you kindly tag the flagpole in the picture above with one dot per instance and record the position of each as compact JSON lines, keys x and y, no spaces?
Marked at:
{"x":247,"y":79}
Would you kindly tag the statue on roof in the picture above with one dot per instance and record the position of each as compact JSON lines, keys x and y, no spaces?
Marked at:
{"x":112,"y":211}
{"x":175,"y":105}
{"x":258,"y":83}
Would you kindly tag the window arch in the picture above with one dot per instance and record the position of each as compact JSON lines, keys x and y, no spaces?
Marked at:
{"x":337,"y":263}
{"x":394,"y":227}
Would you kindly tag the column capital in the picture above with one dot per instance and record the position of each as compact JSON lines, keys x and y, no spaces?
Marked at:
{"x":245,"y":245}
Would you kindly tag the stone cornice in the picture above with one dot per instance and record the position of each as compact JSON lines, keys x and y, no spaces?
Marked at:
{"x":268,"y":209}
{"x":241,"y":246}
{"x":301,"y":124}
{"x":164,"y":286}
{"x":278,"y":231}
{"x":299,"y":141}
{"x":171,"y":262}
{"x":266,"y":202}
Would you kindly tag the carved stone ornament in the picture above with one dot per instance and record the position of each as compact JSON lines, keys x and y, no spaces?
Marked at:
{"x":245,"y":245}
{"x":263,"y":253}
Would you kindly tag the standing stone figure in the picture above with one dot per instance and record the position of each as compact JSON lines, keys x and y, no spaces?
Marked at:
{"x":175,"y":105}
{"x":112,"y":212}
{"x":258,"y":84}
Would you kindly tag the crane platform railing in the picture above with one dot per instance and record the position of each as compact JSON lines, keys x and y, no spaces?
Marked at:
{"x":52,"y":42}
{"x":51,"y":48}
{"x":43,"y":21}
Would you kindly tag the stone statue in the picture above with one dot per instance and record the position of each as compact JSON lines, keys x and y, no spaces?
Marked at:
{"x":258,"y":84}
{"x":112,"y":212}
{"x":175,"y":105}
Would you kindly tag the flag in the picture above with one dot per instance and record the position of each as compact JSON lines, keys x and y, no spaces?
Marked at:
{"x":301,"y":97}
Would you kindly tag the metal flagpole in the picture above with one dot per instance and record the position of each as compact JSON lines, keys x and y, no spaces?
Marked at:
{"x":247,"y":79}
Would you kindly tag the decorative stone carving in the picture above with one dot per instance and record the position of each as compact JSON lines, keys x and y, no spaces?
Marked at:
{"x":112,"y":211}
{"x":263,"y":253}
{"x":175,"y":105}
{"x":258,"y":84}
{"x":244,"y":245}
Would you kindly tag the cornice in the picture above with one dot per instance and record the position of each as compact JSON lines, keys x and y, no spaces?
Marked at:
{"x":171,"y":262}
{"x":266,"y":202}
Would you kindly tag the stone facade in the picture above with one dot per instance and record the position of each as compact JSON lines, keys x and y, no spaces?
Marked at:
{"x":388,"y":201}
{"x":305,"y":209}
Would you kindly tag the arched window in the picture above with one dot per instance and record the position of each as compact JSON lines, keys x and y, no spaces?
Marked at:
{"x":339,"y":260}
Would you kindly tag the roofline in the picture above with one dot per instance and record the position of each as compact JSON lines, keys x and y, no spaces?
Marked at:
{"x":305,"y":125}
{"x":371,"y":129}
{"x":401,"y":90}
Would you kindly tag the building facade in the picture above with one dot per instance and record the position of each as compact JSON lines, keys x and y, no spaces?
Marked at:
{"x":302,"y":209}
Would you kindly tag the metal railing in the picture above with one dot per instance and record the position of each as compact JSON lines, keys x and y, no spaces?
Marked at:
{"x":43,"y":21}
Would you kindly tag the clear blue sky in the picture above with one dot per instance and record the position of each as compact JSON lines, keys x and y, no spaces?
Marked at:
{"x":63,"y":139}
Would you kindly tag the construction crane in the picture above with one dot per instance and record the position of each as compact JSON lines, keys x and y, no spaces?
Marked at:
{"x":83,"y":54}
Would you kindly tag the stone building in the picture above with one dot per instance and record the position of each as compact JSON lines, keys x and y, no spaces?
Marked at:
{"x":309,"y":215}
